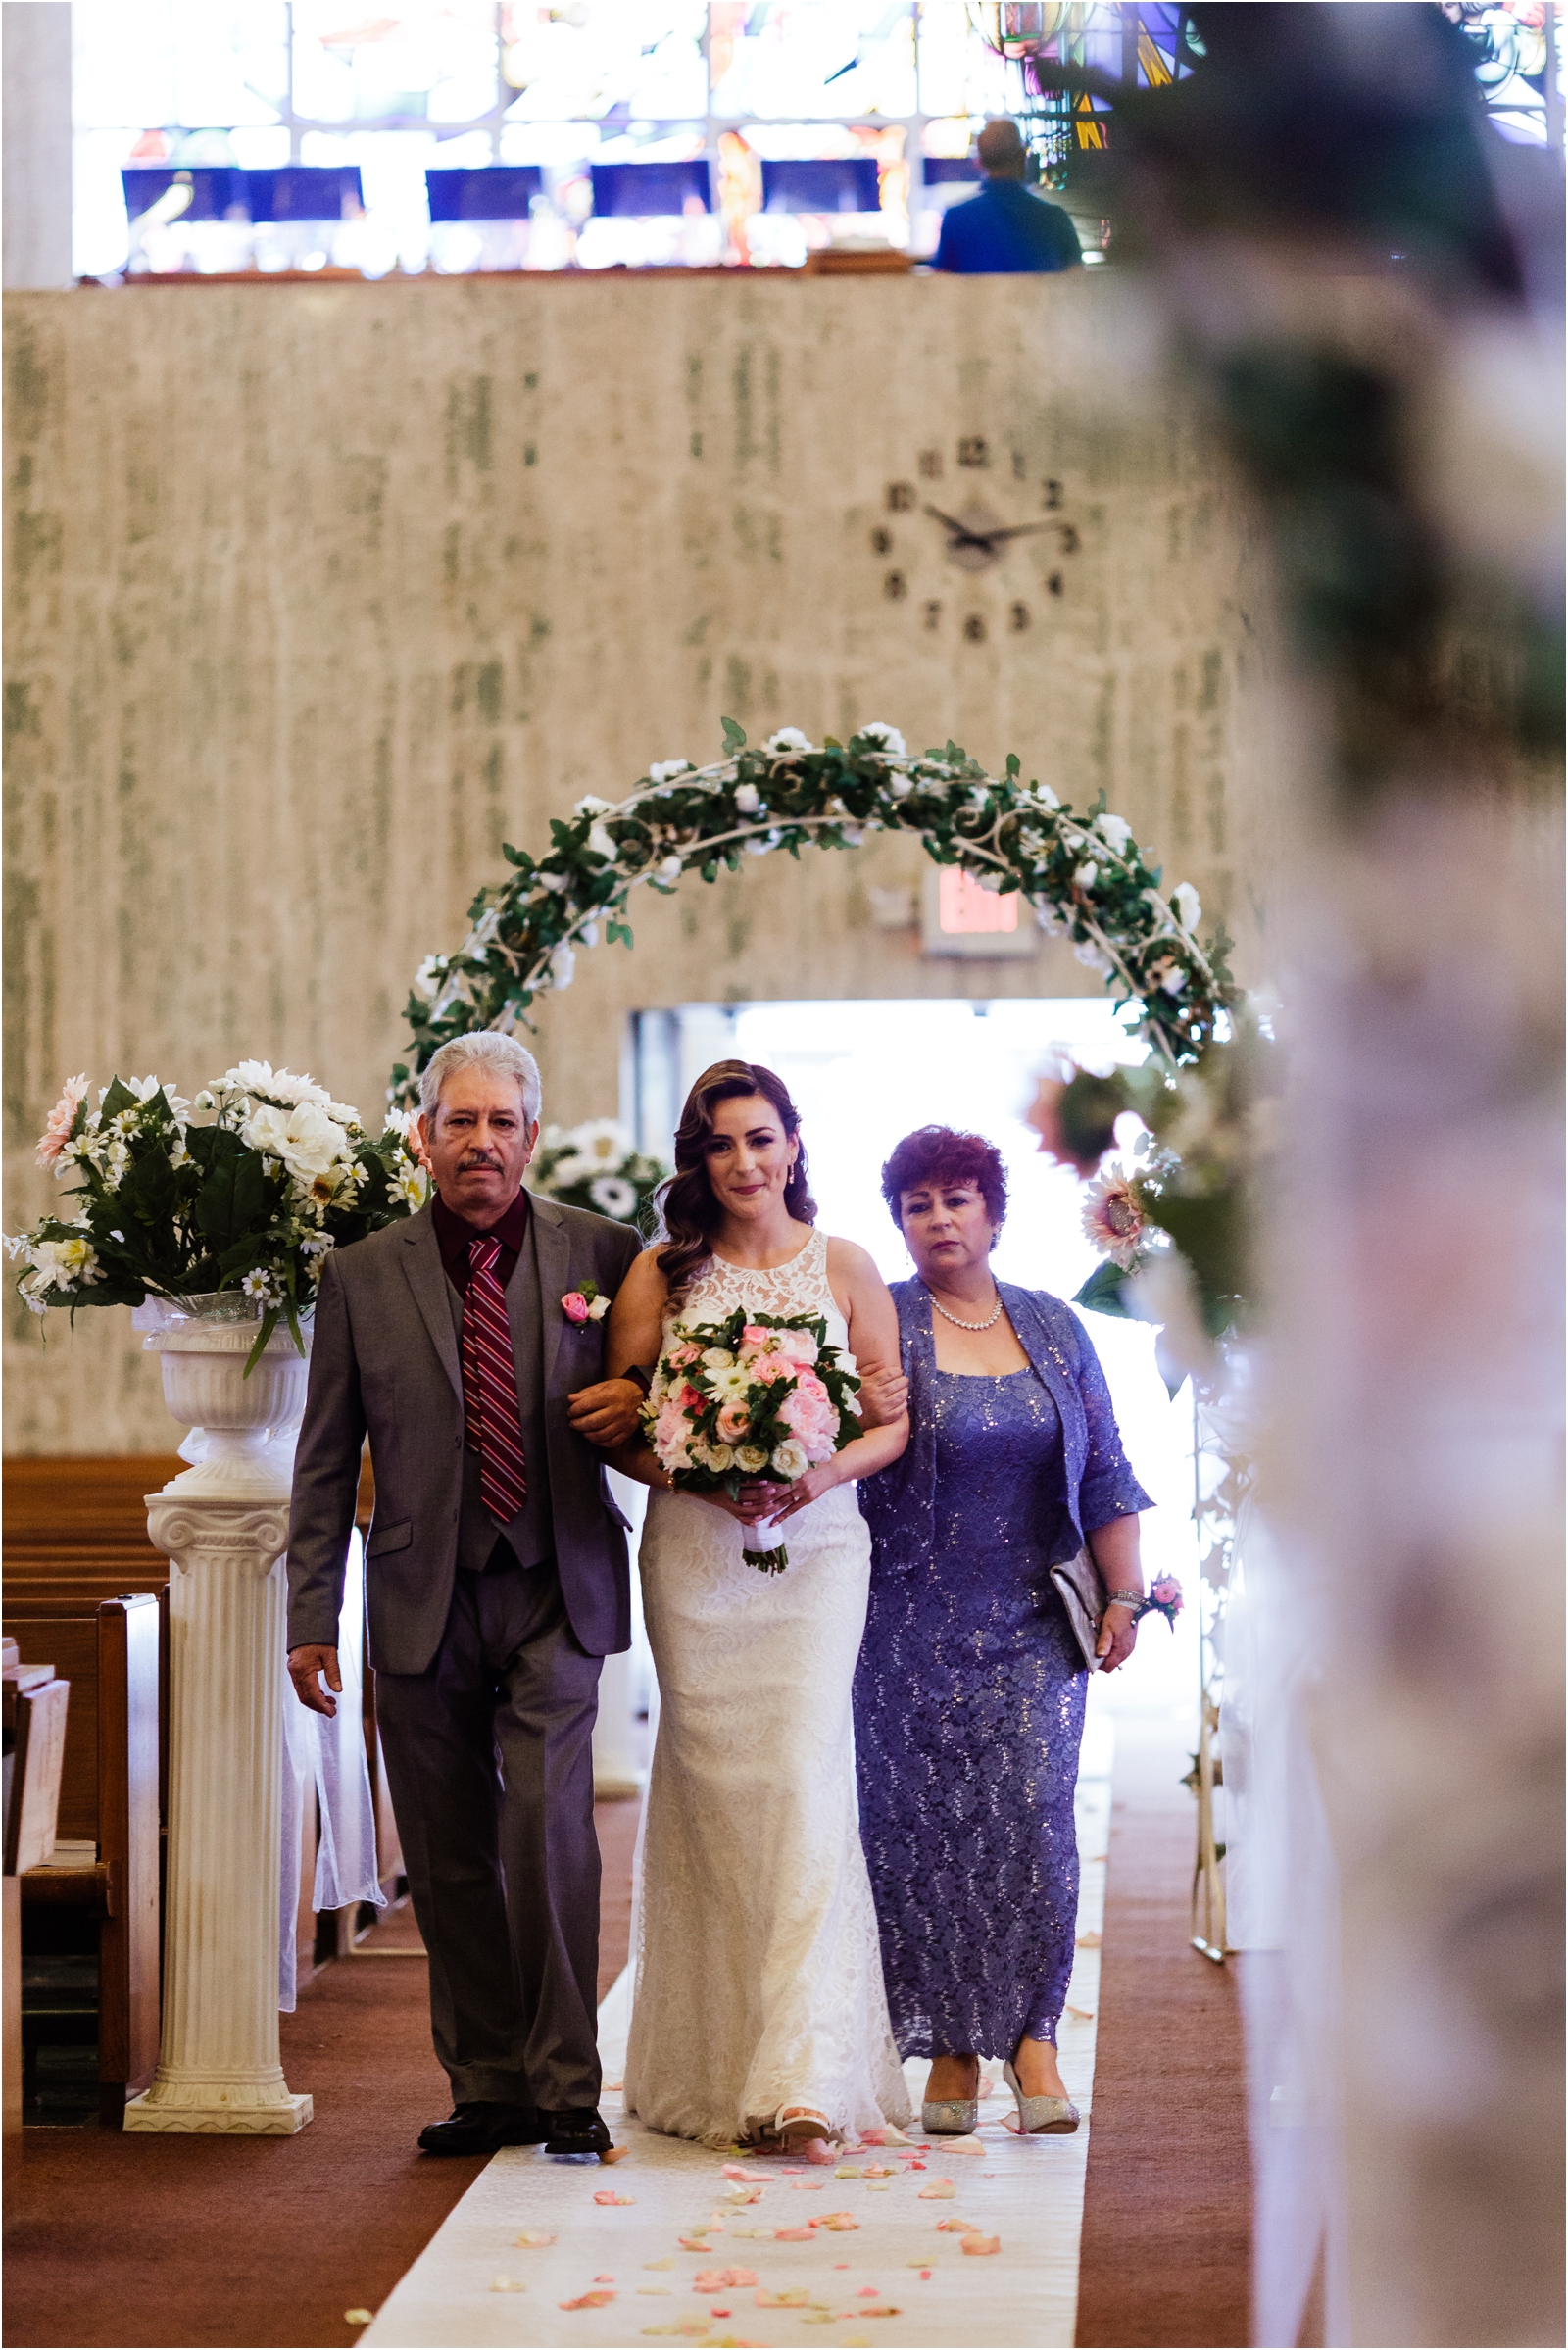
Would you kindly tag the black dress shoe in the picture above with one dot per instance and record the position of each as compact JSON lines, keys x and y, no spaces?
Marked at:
{"x":480,"y":2128}
{"x":575,"y":2130}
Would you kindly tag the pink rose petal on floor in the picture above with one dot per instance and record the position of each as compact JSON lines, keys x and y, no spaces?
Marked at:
{"x":606,"y":2196}
{"x":791,"y":2235}
{"x":614,"y":2154}
{"x":535,"y":2235}
{"x":980,"y":2244}
{"x":733,"y":2169}
{"x":589,"y":2301}
{"x":818,"y":2150}
{"x":938,"y":2191}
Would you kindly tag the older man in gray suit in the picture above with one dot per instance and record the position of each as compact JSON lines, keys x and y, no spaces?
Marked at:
{"x":496,"y":1580}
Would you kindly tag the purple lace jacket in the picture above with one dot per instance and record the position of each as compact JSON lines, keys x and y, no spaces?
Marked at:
{"x":899,"y":1504}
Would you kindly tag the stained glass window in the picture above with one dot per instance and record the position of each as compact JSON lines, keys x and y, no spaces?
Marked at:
{"x":567,"y":86}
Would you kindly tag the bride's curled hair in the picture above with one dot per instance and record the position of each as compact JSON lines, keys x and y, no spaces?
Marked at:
{"x":689,"y":1214}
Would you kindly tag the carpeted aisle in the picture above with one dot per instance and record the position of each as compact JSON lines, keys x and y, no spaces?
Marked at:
{"x":189,"y":2243}
{"x":681,"y":2242}
{"x":1166,"y":2233}
{"x":207,"y":2244}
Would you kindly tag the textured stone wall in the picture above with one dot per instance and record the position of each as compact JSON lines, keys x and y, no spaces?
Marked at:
{"x":319,"y":592}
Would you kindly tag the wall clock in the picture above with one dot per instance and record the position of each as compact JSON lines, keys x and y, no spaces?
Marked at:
{"x":938,"y":537}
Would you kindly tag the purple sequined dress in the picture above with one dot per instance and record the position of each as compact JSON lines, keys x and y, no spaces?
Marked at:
{"x":968,"y":1712}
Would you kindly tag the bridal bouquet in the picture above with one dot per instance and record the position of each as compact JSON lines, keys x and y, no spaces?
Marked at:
{"x":243,"y":1191}
{"x":761,"y":1395}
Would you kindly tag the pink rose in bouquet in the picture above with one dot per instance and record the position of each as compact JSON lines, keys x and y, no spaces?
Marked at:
{"x":57,"y":1130}
{"x":749,"y":1399}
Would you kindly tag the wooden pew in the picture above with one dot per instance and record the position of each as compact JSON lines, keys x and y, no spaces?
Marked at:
{"x":109,"y":1652}
{"x":83,"y":1583}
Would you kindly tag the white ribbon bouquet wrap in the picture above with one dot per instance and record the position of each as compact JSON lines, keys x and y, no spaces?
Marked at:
{"x":754,"y":1397}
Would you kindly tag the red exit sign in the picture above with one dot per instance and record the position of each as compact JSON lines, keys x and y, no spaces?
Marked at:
{"x":959,"y":917}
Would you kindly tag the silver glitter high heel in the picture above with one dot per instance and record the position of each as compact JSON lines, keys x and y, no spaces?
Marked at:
{"x":1042,"y":2117}
{"x":950,"y":2117}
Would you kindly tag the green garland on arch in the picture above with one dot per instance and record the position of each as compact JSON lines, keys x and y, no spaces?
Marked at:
{"x":1084,"y":874}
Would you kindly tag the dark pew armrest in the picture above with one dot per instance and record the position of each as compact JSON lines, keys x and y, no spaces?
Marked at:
{"x":70,"y":1888}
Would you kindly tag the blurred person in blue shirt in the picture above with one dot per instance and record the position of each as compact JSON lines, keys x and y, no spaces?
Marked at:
{"x":1005,"y":229}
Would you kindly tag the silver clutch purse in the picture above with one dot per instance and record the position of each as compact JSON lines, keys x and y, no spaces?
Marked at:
{"x":1083,"y":1596}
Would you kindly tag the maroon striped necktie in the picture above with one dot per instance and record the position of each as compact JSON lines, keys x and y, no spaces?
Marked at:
{"x":492,"y":1423}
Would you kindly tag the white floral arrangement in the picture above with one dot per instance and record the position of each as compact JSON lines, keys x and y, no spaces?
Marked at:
{"x":245,"y":1190}
{"x":596,"y":1166}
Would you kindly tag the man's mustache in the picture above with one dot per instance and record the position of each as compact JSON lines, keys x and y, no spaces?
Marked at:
{"x":472,"y":1159}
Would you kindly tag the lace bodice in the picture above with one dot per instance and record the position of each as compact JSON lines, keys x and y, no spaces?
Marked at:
{"x":800,"y":1287}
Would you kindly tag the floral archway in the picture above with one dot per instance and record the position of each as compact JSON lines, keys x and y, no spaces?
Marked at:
{"x":1086,"y":877}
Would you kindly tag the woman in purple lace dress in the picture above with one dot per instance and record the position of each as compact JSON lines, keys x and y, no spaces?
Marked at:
{"x":969,"y":1693}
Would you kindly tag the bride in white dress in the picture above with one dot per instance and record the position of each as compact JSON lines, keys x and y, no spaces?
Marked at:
{"x":758,"y":2010}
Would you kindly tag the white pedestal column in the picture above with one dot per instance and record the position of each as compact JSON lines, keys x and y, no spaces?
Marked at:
{"x":223,"y":1525}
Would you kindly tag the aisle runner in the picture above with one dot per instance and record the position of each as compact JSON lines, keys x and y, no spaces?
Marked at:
{"x":690,"y":2248}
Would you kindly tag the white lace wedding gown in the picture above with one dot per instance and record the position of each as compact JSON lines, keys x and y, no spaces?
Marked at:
{"x":758,"y":1982}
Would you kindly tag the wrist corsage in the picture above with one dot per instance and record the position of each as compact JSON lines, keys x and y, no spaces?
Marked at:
{"x":1163,"y":1598}
{"x":587,"y":1304}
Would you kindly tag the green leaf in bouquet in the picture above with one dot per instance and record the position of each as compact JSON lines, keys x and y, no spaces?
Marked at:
{"x":269,"y":1321}
{"x":119,"y":1097}
{"x":1105,"y":1292}
{"x":238,"y":1258}
{"x":149,"y":1188}
{"x":234,"y":1193}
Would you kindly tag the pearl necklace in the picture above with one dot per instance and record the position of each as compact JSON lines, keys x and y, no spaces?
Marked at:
{"x":992,"y":1318}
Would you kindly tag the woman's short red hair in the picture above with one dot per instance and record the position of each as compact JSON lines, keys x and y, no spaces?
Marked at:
{"x":936,"y":1155}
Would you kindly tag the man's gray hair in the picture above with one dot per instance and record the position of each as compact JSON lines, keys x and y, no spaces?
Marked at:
{"x":485,"y":1048}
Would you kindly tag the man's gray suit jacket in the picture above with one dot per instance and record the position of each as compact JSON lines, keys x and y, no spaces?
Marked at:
{"x":385,"y":1361}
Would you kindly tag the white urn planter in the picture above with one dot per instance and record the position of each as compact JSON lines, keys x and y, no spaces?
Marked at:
{"x":223,"y":1525}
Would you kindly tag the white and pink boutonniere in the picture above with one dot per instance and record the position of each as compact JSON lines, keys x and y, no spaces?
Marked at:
{"x":587,"y":1304}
